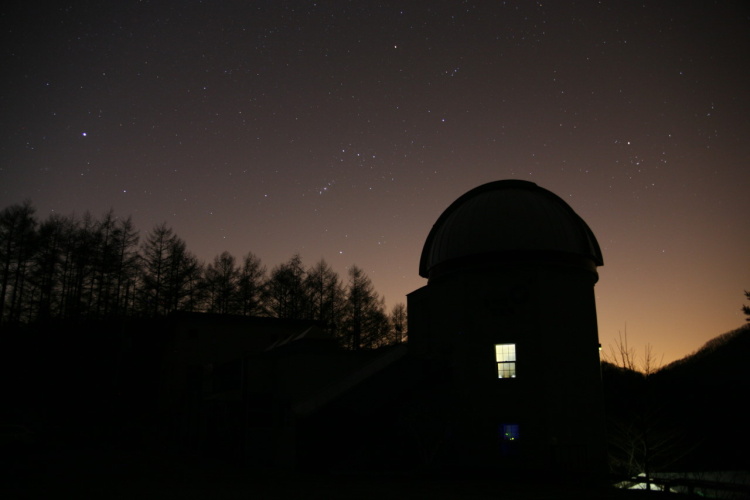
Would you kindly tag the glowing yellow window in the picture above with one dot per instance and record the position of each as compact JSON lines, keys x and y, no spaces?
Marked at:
{"x":505,"y":354}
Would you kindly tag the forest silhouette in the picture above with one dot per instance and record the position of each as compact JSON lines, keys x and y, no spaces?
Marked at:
{"x":76,"y":269}
{"x":70,"y":285}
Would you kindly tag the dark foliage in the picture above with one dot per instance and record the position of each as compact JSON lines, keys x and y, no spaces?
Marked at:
{"x":75,"y":270}
{"x":689,"y":415}
{"x":708,"y":392}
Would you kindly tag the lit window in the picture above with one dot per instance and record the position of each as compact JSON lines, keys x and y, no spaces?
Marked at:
{"x":509,"y":437}
{"x":509,"y":432}
{"x":505,"y":354}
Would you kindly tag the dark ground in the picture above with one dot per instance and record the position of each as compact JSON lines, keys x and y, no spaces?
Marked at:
{"x":82,"y":473}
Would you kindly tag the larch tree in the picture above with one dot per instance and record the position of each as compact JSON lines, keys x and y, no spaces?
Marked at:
{"x":250,"y":286}
{"x":365,"y":323}
{"x":398,"y":324}
{"x":325,"y":295}
{"x":17,"y":246}
{"x":222,"y":284}
{"x":285,"y":290}
{"x":171,"y":276}
{"x":185,"y":278}
{"x":155,"y":254}
{"x":54,"y":235}
{"x":127,"y":262}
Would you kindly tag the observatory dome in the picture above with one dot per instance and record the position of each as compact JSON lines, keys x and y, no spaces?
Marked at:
{"x":504,"y":221}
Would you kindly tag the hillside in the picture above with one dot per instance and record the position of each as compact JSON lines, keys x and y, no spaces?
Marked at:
{"x":692,"y":411}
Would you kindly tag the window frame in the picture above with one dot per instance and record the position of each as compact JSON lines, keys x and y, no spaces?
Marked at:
{"x":505,"y":358}
{"x":509,"y":435}
{"x":510,"y":431}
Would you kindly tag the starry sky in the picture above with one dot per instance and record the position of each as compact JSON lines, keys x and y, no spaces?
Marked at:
{"x":342,"y":129}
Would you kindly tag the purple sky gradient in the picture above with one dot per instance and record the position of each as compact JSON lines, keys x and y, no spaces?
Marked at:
{"x":342,"y":130}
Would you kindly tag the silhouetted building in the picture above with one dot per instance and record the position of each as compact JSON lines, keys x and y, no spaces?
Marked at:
{"x":507,"y":324}
{"x":501,"y":371}
{"x":265,"y":391}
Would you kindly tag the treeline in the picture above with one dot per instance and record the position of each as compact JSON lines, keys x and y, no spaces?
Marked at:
{"x":73,"y":269}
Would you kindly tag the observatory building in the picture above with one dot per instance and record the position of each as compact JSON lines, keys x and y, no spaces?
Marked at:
{"x":500,"y":374}
{"x":506,"y":325}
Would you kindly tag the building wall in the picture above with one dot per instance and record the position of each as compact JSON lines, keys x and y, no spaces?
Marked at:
{"x":548,"y":312}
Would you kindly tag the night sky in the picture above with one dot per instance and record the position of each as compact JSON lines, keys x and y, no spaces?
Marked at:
{"x":341,"y":130}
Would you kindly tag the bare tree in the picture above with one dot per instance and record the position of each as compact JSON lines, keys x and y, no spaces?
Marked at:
{"x":398,"y":321}
{"x":82,"y":268}
{"x":60,"y":267}
{"x":17,"y":239}
{"x":325,"y":295}
{"x":222,"y":283}
{"x":171,"y":276}
{"x":155,"y":255}
{"x":625,"y":356}
{"x":54,"y":234}
{"x":127,"y":263}
{"x":365,"y":322}
{"x":250,"y":286}
{"x":184,"y":288}
{"x":285,"y":290}
{"x":642,"y":438}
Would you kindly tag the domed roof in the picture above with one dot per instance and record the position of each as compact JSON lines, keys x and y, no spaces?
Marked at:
{"x":504,"y":220}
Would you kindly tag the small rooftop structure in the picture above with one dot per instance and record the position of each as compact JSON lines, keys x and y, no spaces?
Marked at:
{"x":507,"y":220}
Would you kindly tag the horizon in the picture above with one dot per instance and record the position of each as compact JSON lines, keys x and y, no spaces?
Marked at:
{"x":342,"y":131}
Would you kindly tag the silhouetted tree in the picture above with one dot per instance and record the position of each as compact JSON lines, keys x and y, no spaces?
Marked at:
{"x":285,"y":290}
{"x":84,"y":268}
{"x":365,"y":324}
{"x":184,"y":290}
{"x":84,"y":255}
{"x":325,"y":295}
{"x":171,"y":278}
{"x":746,"y":309}
{"x":155,"y":253}
{"x":53,"y":266}
{"x":250,"y":286}
{"x":222,"y":284}
{"x":398,"y":321}
{"x":81,"y":268}
{"x":127,"y":262}
{"x":625,"y":356}
{"x":642,"y":436}
{"x":17,"y":247}
{"x":69,"y":233}
{"x":105,"y":265}
{"x":47,"y":268}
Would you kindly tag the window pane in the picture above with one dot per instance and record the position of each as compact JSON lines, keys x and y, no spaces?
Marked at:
{"x":509,"y":436}
{"x":505,"y":352}
{"x":509,"y":432}
{"x":506,"y":370}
